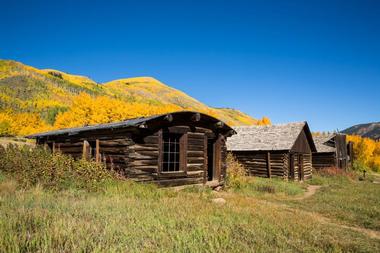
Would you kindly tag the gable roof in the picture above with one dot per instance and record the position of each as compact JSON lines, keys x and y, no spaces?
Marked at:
{"x":141,"y":122}
{"x":324,"y":144}
{"x":273,"y":137}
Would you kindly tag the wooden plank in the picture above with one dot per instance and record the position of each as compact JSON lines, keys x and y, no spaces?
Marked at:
{"x":160,"y":152}
{"x":97,"y":154}
{"x":86,"y":149}
{"x":269,"y":165}
{"x":183,"y":153}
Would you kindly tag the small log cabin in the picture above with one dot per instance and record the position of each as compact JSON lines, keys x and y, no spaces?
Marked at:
{"x":171,"y":149}
{"x":332,"y":151}
{"x":282,"y":151}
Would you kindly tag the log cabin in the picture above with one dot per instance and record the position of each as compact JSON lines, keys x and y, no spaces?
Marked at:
{"x":171,"y":149}
{"x":332,"y":151}
{"x":281,"y":151}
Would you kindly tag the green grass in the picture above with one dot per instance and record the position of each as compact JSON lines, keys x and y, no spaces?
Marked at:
{"x":267,"y":188}
{"x":346,"y":199}
{"x":130,"y":217}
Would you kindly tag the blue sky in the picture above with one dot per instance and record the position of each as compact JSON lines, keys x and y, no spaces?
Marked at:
{"x":289,"y":60}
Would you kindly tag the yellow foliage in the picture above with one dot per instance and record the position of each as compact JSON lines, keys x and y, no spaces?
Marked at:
{"x":366,"y":151}
{"x":87,"y":110}
{"x":264,"y":121}
{"x":114,"y":101}
{"x":21,"y":124}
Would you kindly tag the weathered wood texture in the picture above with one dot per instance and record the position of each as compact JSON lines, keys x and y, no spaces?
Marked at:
{"x":307,"y":166}
{"x":341,"y":158}
{"x":256,"y":163}
{"x":324,"y":160}
{"x":139,"y":156}
{"x":278,"y":164}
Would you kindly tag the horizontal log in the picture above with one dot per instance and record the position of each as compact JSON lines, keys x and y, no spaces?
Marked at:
{"x":142,"y":162}
{"x":144,"y":147}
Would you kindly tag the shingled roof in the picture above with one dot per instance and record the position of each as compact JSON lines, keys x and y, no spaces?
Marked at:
{"x":136,"y":122}
{"x":274,"y":137}
{"x":322,"y":145}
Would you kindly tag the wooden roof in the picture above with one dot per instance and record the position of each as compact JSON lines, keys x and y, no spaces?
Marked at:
{"x":264,"y":138}
{"x":324,"y":144}
{"x":181,"y":117}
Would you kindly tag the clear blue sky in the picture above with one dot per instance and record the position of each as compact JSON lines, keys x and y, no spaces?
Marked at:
{"x":290,"y":60}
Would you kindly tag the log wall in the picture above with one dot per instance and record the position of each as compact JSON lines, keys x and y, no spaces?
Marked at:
{"x":261,"y":164}
{"x":307,"y":166}
{"x":138,"y":156}
{"x":324,"y":160}
{"x":280,"y":164}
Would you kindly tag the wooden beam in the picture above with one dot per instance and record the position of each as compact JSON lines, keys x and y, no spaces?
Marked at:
{"x":97,"y":154}
{"x":53,"y":147}
{"x":269,"y":169}
{"x":196,"y":117}
{"x":85,"y":150}
{"x":183,"y":153}
{"x":160,"y":152}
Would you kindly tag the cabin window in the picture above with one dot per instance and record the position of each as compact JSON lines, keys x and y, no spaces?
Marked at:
{"x":171,"y":152}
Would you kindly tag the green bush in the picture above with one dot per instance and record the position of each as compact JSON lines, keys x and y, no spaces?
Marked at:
{"x":36,"y":166}
{"x":235,"y":172}
{"x":359,"y":166}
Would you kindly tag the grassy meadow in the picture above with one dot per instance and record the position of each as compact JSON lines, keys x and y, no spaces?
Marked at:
{"x":114,"y":215}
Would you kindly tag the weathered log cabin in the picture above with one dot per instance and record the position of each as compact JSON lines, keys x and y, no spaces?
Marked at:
{"x":332,"y":151}
{"x":171,"y":149}
{"x":282,"y":151}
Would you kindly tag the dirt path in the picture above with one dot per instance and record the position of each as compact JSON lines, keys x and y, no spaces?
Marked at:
{"x":369,"y":232}
{"x":311,"y":190}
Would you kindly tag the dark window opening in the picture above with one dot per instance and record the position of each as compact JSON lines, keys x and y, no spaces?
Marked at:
{"x":171,"y":152}
{"x":92,"y":151}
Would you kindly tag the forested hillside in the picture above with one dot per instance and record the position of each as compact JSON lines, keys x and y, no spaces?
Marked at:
{"x":369,"y":130}
{"x":34,"y":100}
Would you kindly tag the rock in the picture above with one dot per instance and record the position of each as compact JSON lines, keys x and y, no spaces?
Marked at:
{"x":219,"y":201}
{"x":218,"y":188}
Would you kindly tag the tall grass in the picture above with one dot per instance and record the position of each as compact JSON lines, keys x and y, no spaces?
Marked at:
{"x":89,"y":210}
{"x":31,"y":166}
{"x":346,"y":198}
{"x":131,"y":217}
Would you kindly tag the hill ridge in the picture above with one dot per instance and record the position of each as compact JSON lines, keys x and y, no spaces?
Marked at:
{"x":50,"y":99}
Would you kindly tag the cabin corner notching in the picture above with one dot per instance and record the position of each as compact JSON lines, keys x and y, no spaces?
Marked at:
{"x":170,"y":149}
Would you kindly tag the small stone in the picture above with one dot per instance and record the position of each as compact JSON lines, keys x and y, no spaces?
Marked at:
{"x":219,"y":201}
{"x":218,"y":188}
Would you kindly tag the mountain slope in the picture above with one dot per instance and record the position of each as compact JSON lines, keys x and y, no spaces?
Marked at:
{"x":47,"y":95}
{"x":370,"y":130}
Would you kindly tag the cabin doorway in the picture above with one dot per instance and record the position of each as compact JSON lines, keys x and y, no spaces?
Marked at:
{"x":210,"y":159}
{"x":300,"y":167}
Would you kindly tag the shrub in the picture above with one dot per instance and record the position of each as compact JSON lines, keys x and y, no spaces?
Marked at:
{"x":359,"y":166}
{"x":334,"y":171}
{"x":235,"y":172}
{"x":36,"y":166}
